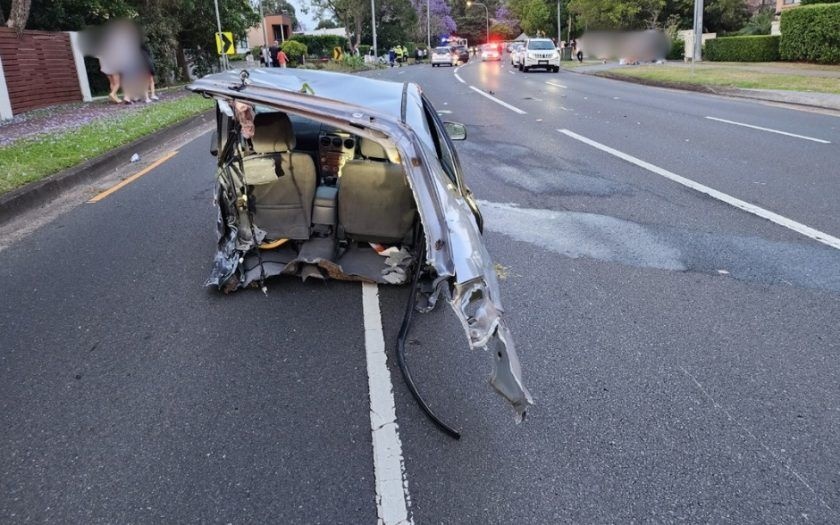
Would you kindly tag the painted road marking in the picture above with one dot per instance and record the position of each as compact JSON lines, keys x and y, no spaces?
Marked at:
{"x":461,"y":80}
{"x":555,"y":85}
{"x":497,"y":101}
{"x":391,"y":483}
{"x":129,"y":180}
{"x":512,"y":72}
{"x":807,"y":231}
{"x":804,"y":137}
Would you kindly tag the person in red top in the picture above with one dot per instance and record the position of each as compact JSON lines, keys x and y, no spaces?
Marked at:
{"x":282,"y":59}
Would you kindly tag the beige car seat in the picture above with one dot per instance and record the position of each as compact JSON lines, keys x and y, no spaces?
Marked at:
{"x":375,"y":202}
{"x":283,"y":182}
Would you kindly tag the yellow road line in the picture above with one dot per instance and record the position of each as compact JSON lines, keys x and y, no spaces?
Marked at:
{"x":129,"y":180}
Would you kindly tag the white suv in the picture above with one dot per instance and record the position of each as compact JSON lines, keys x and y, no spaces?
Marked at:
{"x":539,"y":53}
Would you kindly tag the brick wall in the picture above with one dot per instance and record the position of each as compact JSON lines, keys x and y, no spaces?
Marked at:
{"x":39,"y":69}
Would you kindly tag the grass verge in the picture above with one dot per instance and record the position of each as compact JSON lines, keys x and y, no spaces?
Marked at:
{"x":711,"y":76}
{"x":34,"y":158}
{"x":572,"y":64}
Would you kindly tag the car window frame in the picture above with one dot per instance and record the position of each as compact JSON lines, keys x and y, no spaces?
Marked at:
{"x":442,"y":144}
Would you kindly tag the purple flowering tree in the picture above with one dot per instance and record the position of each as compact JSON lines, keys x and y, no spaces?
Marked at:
{"x":440,"y":19}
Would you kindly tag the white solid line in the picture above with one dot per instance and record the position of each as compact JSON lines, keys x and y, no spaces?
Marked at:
{"x":555,"y":85}
{"x":392,"y":497}
{"x":461,"y":80}
{"x":807,"y":231}
{"x":497,"y":101}
{"x":821,"y":141}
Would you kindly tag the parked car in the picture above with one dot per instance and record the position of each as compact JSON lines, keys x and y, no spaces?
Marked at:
{"x":443,"y":56}
{"x":490,"y":52}
{"x":462,"y":52}
{"x":332,"y":176}
{"x":539,"y":53}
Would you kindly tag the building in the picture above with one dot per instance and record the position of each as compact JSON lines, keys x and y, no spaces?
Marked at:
{"x":781,"y":5}
{"x":336,"y":31}
{"x":273,"y":27}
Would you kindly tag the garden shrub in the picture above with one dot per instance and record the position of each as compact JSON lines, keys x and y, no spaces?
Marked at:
{"x":321,"y":45}
{"x":811,"y":33}
{"x":756,"y":48}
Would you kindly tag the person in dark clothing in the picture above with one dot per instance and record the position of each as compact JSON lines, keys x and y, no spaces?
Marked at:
{"x":272,"y":51}
{"x":149,"y":63}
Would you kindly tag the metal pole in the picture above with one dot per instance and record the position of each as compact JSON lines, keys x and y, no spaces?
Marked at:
{"x":487,"y":14}
{"x":222,"y":57}
{"x":559,"y":31}
{"x":698,"y":32}
{"x":262,"y":23}
{"x":373,"y":25}
{"x":428,"y":26}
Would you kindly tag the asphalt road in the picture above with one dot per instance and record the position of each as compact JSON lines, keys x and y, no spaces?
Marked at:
{"x":682,"y":352}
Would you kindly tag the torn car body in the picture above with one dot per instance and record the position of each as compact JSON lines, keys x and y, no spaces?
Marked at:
{"x":330,"y":165}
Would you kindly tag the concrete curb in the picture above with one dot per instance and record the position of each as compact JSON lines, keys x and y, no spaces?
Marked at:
{"x":721,"y":91}
{"x":41,"y":192}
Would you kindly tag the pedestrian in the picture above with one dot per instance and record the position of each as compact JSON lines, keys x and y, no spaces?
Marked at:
{"x":249,"y":59}
{"x":392,"y":56}
{"x":265,"y":57}
{"x":282,"y":59}
{"x":149,"y":88}
{"x":272,"y":53}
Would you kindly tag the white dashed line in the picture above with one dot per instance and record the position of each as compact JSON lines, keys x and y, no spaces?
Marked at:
{"x":807,"y":231}
{"x":555,"y":84}
{"x":804,"y":137}
{"x":497,"y":101}
{"x":392,"y":499}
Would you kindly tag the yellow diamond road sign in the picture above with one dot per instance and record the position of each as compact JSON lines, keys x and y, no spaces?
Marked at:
{"x":224,"y":43}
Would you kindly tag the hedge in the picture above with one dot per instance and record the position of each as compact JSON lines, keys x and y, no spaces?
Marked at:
{"x":294,"y":50}
{"x":810,"y":33}
{"x":810,"y":2}
{"x":677,"y":51}
{"x":321,"y":45}
{"x":754,"y":48}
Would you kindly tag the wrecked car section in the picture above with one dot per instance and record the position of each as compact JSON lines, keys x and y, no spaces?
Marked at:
{"x":456,"y":263}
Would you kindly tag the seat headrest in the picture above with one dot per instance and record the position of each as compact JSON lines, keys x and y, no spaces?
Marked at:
{"x":372,"y":150}
{"x":273,"y":133}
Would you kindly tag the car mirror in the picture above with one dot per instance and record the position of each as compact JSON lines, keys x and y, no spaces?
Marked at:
{"x":214,"y":144}
{"x":455,"y":130}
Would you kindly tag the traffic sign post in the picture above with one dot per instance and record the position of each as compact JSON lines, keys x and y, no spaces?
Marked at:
{"x":338,"y":53}
{"x":225,"y":44}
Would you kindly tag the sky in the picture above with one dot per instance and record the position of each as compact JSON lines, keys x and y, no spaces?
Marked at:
{"x":306,"y":20}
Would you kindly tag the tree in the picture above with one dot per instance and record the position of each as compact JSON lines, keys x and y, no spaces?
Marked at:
{"x":535,"y":16}
{"x":327,"y":23}
{"x":19,"y":14}
{"x":440,"y":20}
{"x":623,"y":14}
{"x":351,"y":13}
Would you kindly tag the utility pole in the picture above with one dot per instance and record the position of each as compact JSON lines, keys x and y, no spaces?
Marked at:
{"x":373,"y":25}
{"x":428,"y":26}
{"x":262,"y":23}
{"x":470,"y":3}
{"x":697,"y":55}
{"x":222,"y":56}
{"x":559,"y":31}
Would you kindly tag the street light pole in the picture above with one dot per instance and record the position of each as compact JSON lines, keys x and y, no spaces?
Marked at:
{"x":428,"y":26}
{"x":222,"y":57}
{"x":487,"y":14}
{"x":559,"y":31}
{"x":262,"y":23}
{"x":373,"y":25}
{"x":698,"y":32}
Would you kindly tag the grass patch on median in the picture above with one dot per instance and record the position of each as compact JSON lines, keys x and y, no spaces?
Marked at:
{"x":32,"y":159}
{"x":727,"y":77}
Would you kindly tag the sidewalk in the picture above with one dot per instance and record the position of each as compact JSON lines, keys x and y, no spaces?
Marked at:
{"x":67,"y":117}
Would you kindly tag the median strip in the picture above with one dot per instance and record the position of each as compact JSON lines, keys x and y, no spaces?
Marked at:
{"x":800,"y":228}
